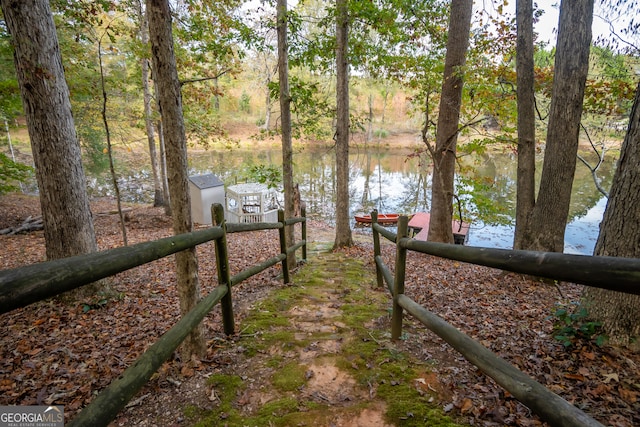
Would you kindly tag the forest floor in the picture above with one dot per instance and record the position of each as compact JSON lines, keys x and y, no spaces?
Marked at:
{"x":313,"y":352}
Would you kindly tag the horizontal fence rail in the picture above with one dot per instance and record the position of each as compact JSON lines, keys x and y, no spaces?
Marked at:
{"x":548,"y":405}
{"x":22,"y":286}
{"x":612,"y":273}
{"x":25,"y":285}
{"x":618,"y":274}
{"x":115,"y":397}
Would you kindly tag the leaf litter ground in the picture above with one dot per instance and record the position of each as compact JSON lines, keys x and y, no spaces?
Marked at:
{"x":53,"y":352}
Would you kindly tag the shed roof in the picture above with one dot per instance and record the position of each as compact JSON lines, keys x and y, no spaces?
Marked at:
{"x":206,"y":181}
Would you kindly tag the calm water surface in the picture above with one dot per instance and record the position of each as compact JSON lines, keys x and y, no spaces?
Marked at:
{"x":399,"y":181}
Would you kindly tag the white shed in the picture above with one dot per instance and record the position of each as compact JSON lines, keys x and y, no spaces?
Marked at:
{"x":251,"y":202}
{"x":204,"y":190}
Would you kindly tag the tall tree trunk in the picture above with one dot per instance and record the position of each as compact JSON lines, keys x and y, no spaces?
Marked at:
{"x":68,"y":226}
{"x":369,"y":136}
{"x":163,"y":157}
{"x":170,"y":100}
{"x":158,"y":194}
{"x":526,"y":179}
{"x":620,"y":236}
{"x":163,"y":169}
{"x":549,"y":217}
{"x":216,"y":97}
{"x":343,"y":226}
{"x":107,"y":133}
{"x":444,"y":157}
{"x":285,"y":113}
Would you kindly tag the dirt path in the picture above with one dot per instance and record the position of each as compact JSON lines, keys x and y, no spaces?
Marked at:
{"x":314,"y":353}
{"x":299,"y":352}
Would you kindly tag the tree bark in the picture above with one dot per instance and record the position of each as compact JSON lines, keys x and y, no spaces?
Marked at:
{"x":444,"y":157}
{"x":619,"y":236}
{"x":170,"y":100}
{"x":285,"y":117}
{"x":68,"y":226}
{"x":158,"y":194}
{"x":343,"y":226}
{"x":526,"y":180}
{"x":549,"y":216}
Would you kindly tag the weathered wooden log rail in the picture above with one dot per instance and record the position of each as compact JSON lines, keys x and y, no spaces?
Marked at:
{"x":618,"y":274}
{"x":22,"y":286}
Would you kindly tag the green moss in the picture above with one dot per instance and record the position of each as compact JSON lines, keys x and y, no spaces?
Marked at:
{"x":359,"y":313}
{"x":290,"y":377}
{"x":279,"y":408}
{"x":406,"y":407}
{"x":274,"y":362}
{"x":226,"y":388}
{"x":192,"y":412}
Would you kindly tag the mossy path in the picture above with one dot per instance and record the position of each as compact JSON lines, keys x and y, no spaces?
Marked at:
{"x":318,"y":353}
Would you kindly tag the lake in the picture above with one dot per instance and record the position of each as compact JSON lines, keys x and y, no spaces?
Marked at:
{"x":398,"y":180}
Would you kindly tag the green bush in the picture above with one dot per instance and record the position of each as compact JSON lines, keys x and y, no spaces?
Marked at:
{"x":574,"y":325}
{"x":12,"y":172}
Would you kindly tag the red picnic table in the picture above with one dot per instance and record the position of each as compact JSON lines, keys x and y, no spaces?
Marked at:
{"x":419,"y":227}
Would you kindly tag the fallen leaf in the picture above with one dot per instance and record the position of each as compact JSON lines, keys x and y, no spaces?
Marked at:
{"x":576,"y":377}
{"x":466,"y":406}
{"x":628,"y":395}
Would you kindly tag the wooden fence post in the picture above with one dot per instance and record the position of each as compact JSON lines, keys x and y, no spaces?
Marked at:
{"x":401,"y":262}
{"x":303,"y":213}
{"x":376,"y":246}
{"x":283,"y":247}
{"x":222,"y":264}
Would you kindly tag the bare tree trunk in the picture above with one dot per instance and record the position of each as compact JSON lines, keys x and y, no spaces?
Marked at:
{"x":216,"y":97}
{"x":285,"y":116}
{"x":444,"y":157}
{"x":158,"y":194}
{"x":163,"y":170}
{"x":619,"y":236}
{"x":369,"y":136}
{"x":107,"y":132}
{"x":170,"y":100}
{"x":526,"y":181}
{"x":549,"y":217}
{"x":267,"y":113}
{"x":343,"y":226}
{"x":68,"y":226}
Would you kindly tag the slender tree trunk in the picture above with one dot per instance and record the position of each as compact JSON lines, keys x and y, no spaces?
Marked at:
{"x":163,"y":170}
{"x":385,"y":97}
{"x":163,"y":158}
{"x":107,"y":132}
{"x":369,"y":136}
{"x":285,"y":114}
{"x":170,"y":101}
{"x":158,"y":194}
{"x":619,"y":236}
{"x":68,"y":225}
{"x":526,"y":179}
{"x":444,"y":157}
{"x":343,"y":226}
{"x":216,"y":97}
{"x":549,"y":217}
{"x":267,"y":113}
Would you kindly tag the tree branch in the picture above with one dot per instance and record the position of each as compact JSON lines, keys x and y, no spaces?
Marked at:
{"x":204,"y":79}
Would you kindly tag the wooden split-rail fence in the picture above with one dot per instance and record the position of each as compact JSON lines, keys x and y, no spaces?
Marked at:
{"x":616,"y":274}
{"x":22,"y":286}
